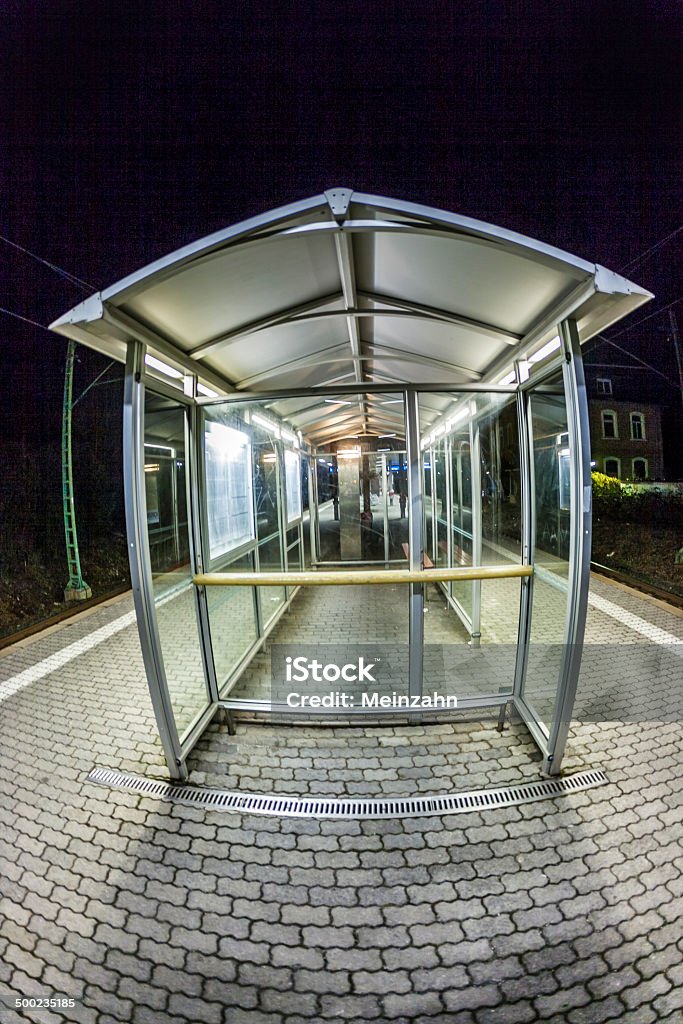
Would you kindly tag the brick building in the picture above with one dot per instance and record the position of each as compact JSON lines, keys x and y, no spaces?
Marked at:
{"x":626,"y":437}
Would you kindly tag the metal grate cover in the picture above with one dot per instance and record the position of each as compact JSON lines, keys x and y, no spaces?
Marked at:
{"x":322,"y":808}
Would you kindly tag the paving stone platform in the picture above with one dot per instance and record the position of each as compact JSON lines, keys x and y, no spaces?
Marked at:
{"x":566,"y":912}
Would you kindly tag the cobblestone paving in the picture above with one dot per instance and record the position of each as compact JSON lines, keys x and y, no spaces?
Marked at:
{"x":566,"y":912}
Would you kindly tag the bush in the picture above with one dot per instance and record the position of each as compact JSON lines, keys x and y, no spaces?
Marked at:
{"x":625,"y":503}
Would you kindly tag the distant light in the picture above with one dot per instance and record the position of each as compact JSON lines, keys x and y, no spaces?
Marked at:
{"x":384,"y":449}
{"x":169,"y":371}
{"x":593,"y":463}
{"x":348,"y":453}
{"x":160,"y":447}
{"x":545,"y":351}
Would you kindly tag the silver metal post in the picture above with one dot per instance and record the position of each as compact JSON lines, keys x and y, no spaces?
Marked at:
{"x":526,"y":470}
{"x":139,"y":557}
{"x":416,"y":543}
{"x":312,"y":505}
{"x":197,"y":560}
{"x":579,"y":545}
{"x":386,"y":508}
{"x":475,"y":464}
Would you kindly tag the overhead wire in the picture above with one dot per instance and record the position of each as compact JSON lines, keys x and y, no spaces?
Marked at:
{"x":638,"y":259}
{"x":53,"y":266}
{"x":26,"y":319}
{"x":663,"y":309}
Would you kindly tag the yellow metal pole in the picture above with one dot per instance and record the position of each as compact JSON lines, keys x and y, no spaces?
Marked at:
{"x":359,"y":577}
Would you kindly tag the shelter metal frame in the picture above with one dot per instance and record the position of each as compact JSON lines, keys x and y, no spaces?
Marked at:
{"x":376,"y":290}
{"x":177,"y":747}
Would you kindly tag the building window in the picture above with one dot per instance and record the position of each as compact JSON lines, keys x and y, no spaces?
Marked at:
{"x":604,"y":386}
{"x":637,"y":426}
{"x":609,"y":424}
{"x":640,"y":470}
{"x":613,"y":468}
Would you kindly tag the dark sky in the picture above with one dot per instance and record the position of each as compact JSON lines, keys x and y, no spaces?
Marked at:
{"x":132,"y":128}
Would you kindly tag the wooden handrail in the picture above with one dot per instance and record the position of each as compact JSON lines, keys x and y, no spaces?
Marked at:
{"x":356,"y":577}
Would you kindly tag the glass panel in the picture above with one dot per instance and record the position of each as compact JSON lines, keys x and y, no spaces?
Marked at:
{"x":293,"y":550}
{"x":471,"y":461}
{"x":270,"y":560}
{"x":232,"y":620}
{"x":551,"y":493}
{"x":461,"y":525}
{"x":174,"y":593}
{"x":328,"y":531}
{"x":397,"y":508}
{"x":267,"y":501}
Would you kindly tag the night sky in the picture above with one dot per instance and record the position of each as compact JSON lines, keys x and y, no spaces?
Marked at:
{"x":129,"y":129}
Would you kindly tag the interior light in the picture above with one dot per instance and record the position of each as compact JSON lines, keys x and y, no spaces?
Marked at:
{"x":207,"y":392}
{"x":458,"y":416}
{"x":393,"y":401}
{"x":160,"y":447}
{"x":152,"y":467}
{"x":547,"y":349}
{"x":157,"y":364}
{"x":509,"y":378}
{"x":287,"y":435}
{"x":348,"y":453}
{"x":384,"y":449}
{"x":337,"y":401}
{"x":267,"y":424}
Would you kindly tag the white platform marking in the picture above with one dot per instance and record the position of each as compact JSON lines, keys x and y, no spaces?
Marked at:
{"x":86,"y":643}
{"x":634,"y":622}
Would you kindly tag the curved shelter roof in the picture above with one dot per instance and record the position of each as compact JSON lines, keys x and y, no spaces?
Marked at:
{"x":347,"y":288}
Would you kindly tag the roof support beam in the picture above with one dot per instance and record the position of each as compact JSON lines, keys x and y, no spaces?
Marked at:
{"x":323,"y":426}
{"x":347,"y":274}
{"x":419,"y":357}
{"x":432,"y":313}
{"x":263,"y":324}
{"x":548,"y":322}
{"x":131,"y":328}
{"x":310,"y":359}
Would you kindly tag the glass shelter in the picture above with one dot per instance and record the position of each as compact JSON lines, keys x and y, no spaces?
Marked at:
{"x":359,"y":422}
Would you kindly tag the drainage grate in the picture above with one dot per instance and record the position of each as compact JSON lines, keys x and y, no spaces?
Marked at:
{"x":322,"y":807}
